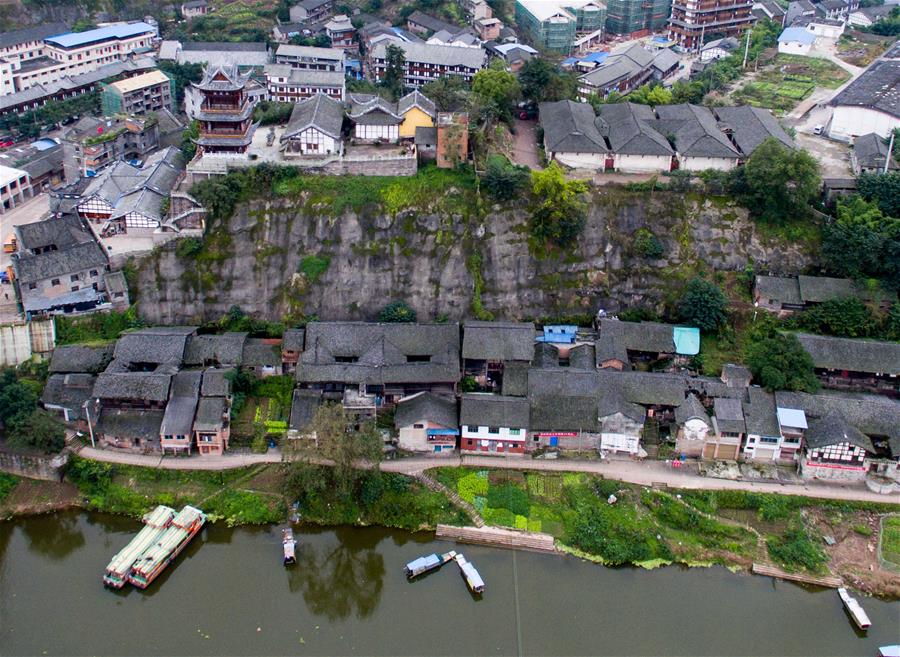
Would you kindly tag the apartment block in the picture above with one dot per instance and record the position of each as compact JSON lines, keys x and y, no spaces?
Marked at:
{"x":427,"y":62}
{"x":695,"y":21}
{"x":141,"y":94}
{"x":557,"y":25}
{"x":637,"y":16}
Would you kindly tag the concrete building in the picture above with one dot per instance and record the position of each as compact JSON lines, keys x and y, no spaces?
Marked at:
{"x":637,"y":17}
{"x":495,"y":424}
{"x":15,"y":187}
{"x":246,"y":55}
{"x":427,"y":423}
{"x":871,"y":103}
{"x":311,"y":11}
{"x":91,"y":144}
{"x":555,"y":25}
{"x":195,"y":9}
{"x":694,"y":20}
{"x":718,"y":48}
{"x":425,"y":63}
{"x":288,"y":84}
{"x":141,"y":94}
{"x":310,"y":58}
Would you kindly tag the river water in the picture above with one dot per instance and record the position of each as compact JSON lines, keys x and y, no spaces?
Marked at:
{"x":228,"y":594}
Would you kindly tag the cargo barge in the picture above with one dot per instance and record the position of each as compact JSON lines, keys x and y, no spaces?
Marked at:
{"x":424,"y":565}
{"x":156,"y":522}
{"x":173,"y":540}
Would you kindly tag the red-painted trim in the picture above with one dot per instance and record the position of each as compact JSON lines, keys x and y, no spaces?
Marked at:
{"x":834,"y":466}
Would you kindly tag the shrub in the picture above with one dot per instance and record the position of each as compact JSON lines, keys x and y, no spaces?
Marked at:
{"x":647,"y":245}
{"x":7,"y":483}
{"x":259,"y":445}
{"x":863,"y":530}
{"x":502,"y":179}
{"x":796,"y":549}
{"x":397,"y":312}
{"x":616,"y":535}
{"x":703,"y":305}
{"x":188,"y":247}
{"x":510,"y":497}
{"x":313,"y":266}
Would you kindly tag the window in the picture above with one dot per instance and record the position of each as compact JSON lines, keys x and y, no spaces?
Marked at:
{"x":418,"y":425}
{"x":346,"y":359}
{"x":32,"y":286}
{"x":493,"y":429}
{"x":515,"y":432}
{"x":73,"y":277}
{"x":54,"y":281}
{"x":418,"y":359}
{"x":93,"y":272}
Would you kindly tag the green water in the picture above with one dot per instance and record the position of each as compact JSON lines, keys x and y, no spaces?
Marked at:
{"x":228,"y":594}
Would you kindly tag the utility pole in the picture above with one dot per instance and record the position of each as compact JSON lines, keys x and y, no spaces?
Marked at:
{"x":887,"y":159}
{"x":87,"y":412}
{"x":746,"y":49}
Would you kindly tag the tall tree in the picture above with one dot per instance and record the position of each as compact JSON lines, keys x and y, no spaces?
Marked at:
{"x":779,"y":362}
{"x":497,"y":89}
{"x":559,"y":210}
{"x":541,"y":81}
{"x":862,"y":242}
{"x":344,"y":447}
{"x":703,"y":305}
{"x":393,"y":74}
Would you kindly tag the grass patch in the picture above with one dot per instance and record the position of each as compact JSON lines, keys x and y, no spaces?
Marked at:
{"x":788,"y":80}
{"x":7,"y":483}
{"x":890,"y":540}
{"x":797,"y":549}
{"x":241,"y":507}
{"x":314,"y":266}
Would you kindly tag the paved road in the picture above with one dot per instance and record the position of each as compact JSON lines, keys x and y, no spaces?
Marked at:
{"x":646,"y":473}
{"x":525,"y":146}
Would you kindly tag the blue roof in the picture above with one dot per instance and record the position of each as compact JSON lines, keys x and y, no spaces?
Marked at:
{"x":562,"y":333}
{"x":44,"y":144}
{"x":687,"y":340}
{"x":595,"y":57}
{"x":75,"y":39}
{"x":797,"y":34}
{"x":568,"y":61}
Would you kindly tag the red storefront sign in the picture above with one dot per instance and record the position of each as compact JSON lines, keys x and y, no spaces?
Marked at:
{"x":558,"y":434}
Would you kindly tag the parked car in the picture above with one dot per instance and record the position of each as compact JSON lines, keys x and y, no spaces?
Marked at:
{"x":819,"y":129}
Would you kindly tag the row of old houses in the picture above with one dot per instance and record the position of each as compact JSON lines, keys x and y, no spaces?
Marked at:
{"x":641,"y":139}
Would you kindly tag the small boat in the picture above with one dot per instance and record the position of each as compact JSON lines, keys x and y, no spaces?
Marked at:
{"x":889,"y":651}
{"x":174,"y":539}
{"x":468,"y":572}
{"x":857,"y":613}
{"x":427,"y":564}
{"x":155,"y":524}
{"x":288,"y":542}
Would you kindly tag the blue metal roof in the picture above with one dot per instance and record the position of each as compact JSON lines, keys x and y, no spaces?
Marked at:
{"x":441,"y":432}
{"x":687,"y":340}
{"x":44,"y":144}
{"x":75,"y":39}
{"x":797,"y":34}
{"x":595,"y":57}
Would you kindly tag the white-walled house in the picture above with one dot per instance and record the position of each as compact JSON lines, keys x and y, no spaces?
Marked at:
{"x":693,"y":424}
{"x":718,"y":49}
{"x":374,"y":119}
{"x":426,"y":422}
{"x":571,"y":136}
{"x":828,"y":28}
{"x":869,"y":103}
{"x":796,"y":41}
{"x":636,"y":146}
{"x":314,"y":128}
{"x":699,"y":142}
{"x":493,"y":423}
{"x":773,"y":434}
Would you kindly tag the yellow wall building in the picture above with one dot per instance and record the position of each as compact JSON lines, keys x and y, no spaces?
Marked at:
{"x":417,"y":111}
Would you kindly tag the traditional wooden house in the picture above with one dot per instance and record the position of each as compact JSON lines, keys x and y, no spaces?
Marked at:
{"x":262,"y":356}
{"x":222,"y":350}
{"x":176,"y":432}
{"x":212,"y":427}
{"x":375,"y":120}
{"x":564,"y":409}
{"x":621,"y":345}
{"x":767,"y":439}
{"x":835,"y":449}
{"x":847,"y":363}
{"x":291,"y":347}
{"x":417,"y":111}
{"x":66,"y":396}
{"x":314,"y":128}
{"x":489,"y":346}
{"x":493,"y":423}
{"x":427,"y":423}
{"x":304,"y":405}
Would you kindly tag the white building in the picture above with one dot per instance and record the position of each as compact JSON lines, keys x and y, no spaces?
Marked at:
{"x":871,"y":103}
{"x":15,"y":187}
{"x":426,"y":422}
{"x":493,"y":423}
{"x":314,"y":128}
{"x":287,"y":84}
{"x":828,"y":28}
{"x":796,"y":41}
{"x":718,"y":49}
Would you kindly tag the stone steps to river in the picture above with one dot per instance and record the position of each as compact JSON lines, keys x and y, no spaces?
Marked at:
{"x":438,"y":487}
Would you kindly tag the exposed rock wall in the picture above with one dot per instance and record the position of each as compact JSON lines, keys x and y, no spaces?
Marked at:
{"x":264,"y":260}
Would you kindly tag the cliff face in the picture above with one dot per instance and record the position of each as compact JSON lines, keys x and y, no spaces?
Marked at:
{"x":283,"y":259}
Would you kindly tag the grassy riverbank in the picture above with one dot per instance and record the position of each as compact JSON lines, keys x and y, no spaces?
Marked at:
{"x":654,"y":527}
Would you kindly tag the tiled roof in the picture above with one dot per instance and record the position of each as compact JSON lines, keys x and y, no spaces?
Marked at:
{"x":137,"y":386}
{"x":877,"y":88}
{"x":760,"y":413}
{"x":871,"y":152}
{"x":210,"y":414}
{"x":750,"y":126}
{"x":486,"y":410}
{"x":33,"y":33}
{"x":569,"y":128}
{"x":833,"y":429}
{"x":261,"y":353}
{"x":55,"y":264}
{"x":321,"y":112}
{"x":293,"y":339}
{"x":426,"y":406}
{"x":781,"y":288}
{"x":304,"y":405}
{"x":729,"y":414}
{"x":154,"y":345}
{"x":69,"y":391}
{"x":499,"y":341}
{"x":627,"y":126}
{"x":78,"y":358}
{"x":215,"y":382}
{"x":423,"y":53}
{"x":225,"y":349}
{"x":696,"y":132}
{"x":870,"y":356}
{"x":689,"y":409}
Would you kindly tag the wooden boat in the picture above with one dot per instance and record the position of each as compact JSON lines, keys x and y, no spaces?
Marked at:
{"x":470,"y":575}
{"x":155,"y":524}
{"x":857,"y":613}
{"x":154,"y":560}
{"x":424,"y":565}
{"x":889,"y":651}
{"x":288,"y":543}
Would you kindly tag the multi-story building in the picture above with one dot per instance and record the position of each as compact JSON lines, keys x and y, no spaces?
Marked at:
{"x":22,"y":46}
{"x":425,"y":63}
{"x":311,"y":11}
{"x":15,"y":187}
{"x":310,"y":58}
{"x":556,"y":24}
{"x":287,"y":84}
{"x":141,"y":94}
{"x":695,"y":21}
{"x":341,"y":32}
{"x":637,"y":16}
{"x":226,"y":111}
{"x":92,"y":144}
{"x":74,"y":53}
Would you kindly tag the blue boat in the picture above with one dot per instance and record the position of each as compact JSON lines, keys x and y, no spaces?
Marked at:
{"x":423,"y":565}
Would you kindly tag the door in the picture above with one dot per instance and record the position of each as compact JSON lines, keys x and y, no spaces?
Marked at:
{"x":709,"y":451}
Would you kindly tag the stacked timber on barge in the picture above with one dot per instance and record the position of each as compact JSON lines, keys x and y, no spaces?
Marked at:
{"x":156,"y":522}
{"x":184,"y":527}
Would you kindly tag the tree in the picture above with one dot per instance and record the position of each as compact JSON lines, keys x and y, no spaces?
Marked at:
{"x":779,"y":362}
{"x":394,"y":73}
{"x":450,"y":93}
{"x":16,"y":400}
{"x":497,"y":89}
{"x":38,"y":430}
{"x":848,"y":318}
{"x":703,"y":305}
{"x":541,"y":81}
{"x":777,"y":183}
{"x":559,"y":212}
{"x":883,"y":189}
{"x":504,"y":180}
{"x":188,"y":147}
{"x":862,"y":242}
{"x":650,"y":94}
{"x":397,"y":312}
{"x":182,"y":75}
{"x":345,"y":448}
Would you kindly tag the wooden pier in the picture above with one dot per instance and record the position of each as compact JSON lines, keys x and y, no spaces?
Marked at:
{"x":771,"y":571}
{"x":498,"y":537}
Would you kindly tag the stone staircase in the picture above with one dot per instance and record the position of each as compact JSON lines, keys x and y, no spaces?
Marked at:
{"x":438,"y":487}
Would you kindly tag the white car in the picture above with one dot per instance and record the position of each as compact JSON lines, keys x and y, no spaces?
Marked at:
{"x":819,"y":129}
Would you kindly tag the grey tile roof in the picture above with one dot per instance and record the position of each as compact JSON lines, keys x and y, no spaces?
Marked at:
{"x":736,"y":376}
{"x":33,"y":33}
{"x":582,"y":357}
{"x":498,"y":341}
{"x":569,"y":128}
{"x":564,"y":400}
{"x":229,"y":46}
{"x":870,"y":356}
{"x":781,"y":288}
{"x":258,"y":352}
{"x":77,"y":358}
{"x":833,"y":429}
{"x":727,"y":43}
{"x":424,"y":53}
{"x":416,"y":99}
{"x":137,"y":386}
{"x":369,"y":109}
{"x":56,"y":264}
{"x":225,"y":349}
{"x":210,"y":414}
{"x":695,"y":130}
{"x":486,"y":410}
{"x":56,"y":232}
{"x":178,"y":419}
{"x":515,"y":379}
{"x":751,"y":126}
{"x":433,"y":24}
{"x":689,"y":409}
{"x":130,"y":423}
{"x":320,"y":112}
{"x":215,"y":382}
{"x":304,"y":405}
{"x":293,"y":339}
{"x":426,"y":136}
{"x":817,"y":289}
{"x":305,"y":77}
{"x":760,"y":413}
{"x":220,"y":53}
{"x":69,"y":391}
{"x":633,"y":336}
{"x":381,"y":352}
{"x":877,"y":88}
{"x":309,"y":52}
{"x":545,"y":355}
{"x":665,"y":60}
{"x":871,"y":151}
{"x":874,"y":415}
{"x":623,"y":64}
{"x":426,"y":406}
{"x":627,"y":126}
{"x":729,"y":414}
{"x":154,"y":345}
{"x":222,"y":78}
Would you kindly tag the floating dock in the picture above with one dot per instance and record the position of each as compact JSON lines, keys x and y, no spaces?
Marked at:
{"x":857,"y":613}
{"x":771,"y":571}
{"x":119,"y":567}
{"x":174,"y":539}
{"x":498,"y":537}
{"x":424,"y":565}
{"x":470,"y":575}
{"x":289,"y":544}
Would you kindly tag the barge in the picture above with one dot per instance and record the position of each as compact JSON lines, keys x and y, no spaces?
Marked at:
{"x":857,"y":613}
{"x":288,"y":544}
{"x":155,"y":524}
{"x":174,"y":539}
{"x":424,"y":565}
{"x":470,"y":575}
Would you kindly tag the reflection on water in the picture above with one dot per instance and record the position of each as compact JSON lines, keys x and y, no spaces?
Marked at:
{"x":340,"y":580}
{"x":57,"y":544}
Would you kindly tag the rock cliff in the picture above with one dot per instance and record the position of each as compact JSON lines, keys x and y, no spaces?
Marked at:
{"x":285,"y":257}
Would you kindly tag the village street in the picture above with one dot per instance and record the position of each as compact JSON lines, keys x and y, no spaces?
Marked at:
{"x":645,"y":473}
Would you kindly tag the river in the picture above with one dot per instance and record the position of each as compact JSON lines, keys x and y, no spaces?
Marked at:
{"x":229,"y":594}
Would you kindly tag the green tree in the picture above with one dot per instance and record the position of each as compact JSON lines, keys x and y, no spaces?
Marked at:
{"x":541,"y":81}
{"x":343,"y":447}
{"x":504,"y":180}
{"x":703,"y":305}
{"x":16,"y":400}
{"x":188,"y":147}
{"x":497,"y":89}
{"x":650,"y":94}
{"x":861,"y":242}
{"x":38,"y":430}
{"x":394,"y":72}
{"x":647,"y":245}
{"x":182,"y":75}
{"x":450,"y":93}
{"x":559,"y":211}
{"x":848,"y":318}
{"x":397,"y":312}
{"x":777,"y":183}
{"x":883,"y":189}
{"x":779,"y":362}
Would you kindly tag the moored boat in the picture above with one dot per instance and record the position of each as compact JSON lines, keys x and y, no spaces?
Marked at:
{"x":428,"y":563}
{"x":174,"y":539}
{"x":857,"y":613}
{"x":470,"y":575}
{"x":889,"y":651}
{"x":155,"y":524}
{"x":289,"y":545}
